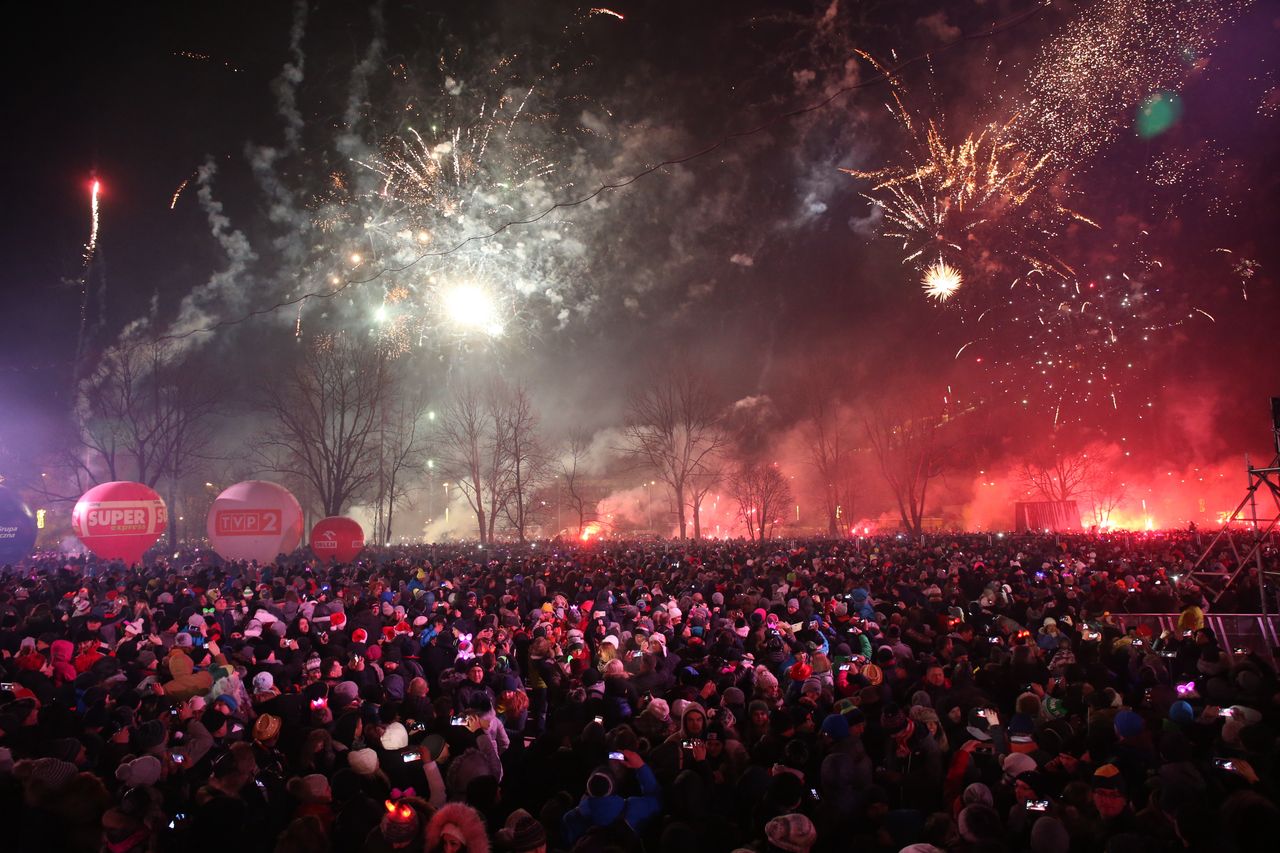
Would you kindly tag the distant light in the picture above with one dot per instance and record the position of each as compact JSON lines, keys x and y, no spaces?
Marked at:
{"x":356,"y":258}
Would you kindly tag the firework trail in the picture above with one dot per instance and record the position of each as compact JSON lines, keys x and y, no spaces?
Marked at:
{"x":92,"y":245}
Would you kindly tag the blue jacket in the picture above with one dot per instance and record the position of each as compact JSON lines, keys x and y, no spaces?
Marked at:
{"x":604,"y":811}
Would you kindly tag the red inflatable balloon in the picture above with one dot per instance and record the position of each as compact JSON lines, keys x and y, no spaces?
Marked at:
{"x":120,"y":520}
{"x":337,"y":537}
{"x":254,"y":520}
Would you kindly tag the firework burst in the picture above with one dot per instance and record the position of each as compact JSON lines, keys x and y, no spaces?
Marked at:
{"x":983,"y":203}
{"x":941,"y":281}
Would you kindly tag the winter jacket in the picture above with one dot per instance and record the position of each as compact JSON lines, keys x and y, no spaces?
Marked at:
{"x":636,"y":811}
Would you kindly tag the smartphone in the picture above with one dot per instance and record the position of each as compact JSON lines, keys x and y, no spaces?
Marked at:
{"x":993,"y":640}
{"x":1240,"y":650}
{"x":179,"y":758}
{"x":417,"y":727}
{"x":457,"y":721}
{"x":1168,"y":653}
{"x":599,"y":721}
{"x":1037,"y":805}
{"x":1137,"y":644}
{"x":1224,"y":763}
{"x":410,"y":757}
{"x":237,"y":727}
{"x":173,"y":712}
{"x":1226,"y":712}
{"x":813,"y":792}
{"x":173,"y":824}
{"x":617,"y":756}
{"x":846,"y":667}
{"x":8,"y":685}
{"x":637,"y":654}
{"x":688,"y":744}
{"x":983,"y":713}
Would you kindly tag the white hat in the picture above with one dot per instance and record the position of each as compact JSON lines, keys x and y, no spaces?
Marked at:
{"x":263,"y":682}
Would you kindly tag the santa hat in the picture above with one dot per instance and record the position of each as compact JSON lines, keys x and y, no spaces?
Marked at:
{"x":359,"y":635}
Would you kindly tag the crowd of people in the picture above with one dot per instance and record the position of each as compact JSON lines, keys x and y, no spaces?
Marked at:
{"x":962,"y":693}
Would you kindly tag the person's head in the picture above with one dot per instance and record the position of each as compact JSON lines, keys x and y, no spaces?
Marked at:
{"x":935,"y":677}
{"x":1109,"y":796}
{"x":475,"y":672}
{"x":695,"y":722}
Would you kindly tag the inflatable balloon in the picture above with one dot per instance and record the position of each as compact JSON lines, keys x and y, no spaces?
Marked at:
{"x":119,"y":520}
{"x":337,"y":537}
{"x":17,"y":527}
{"x":254,"y":520}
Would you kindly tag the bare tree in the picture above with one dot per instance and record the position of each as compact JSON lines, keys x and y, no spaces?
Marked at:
{"x":910,"y":452}
{"x":526,"y":458}
{"x":675,"y":425}
{"x":461,"y":438}
{"x":1106,"y":493}
{"x":763,"y":495}
{"x":403,"y":440}
{"x":572,"y":470}
{"x":474,"y":440}
{"x":325,"y":420}
{"x":702,"y":482}
{"x":828,"y":434}
{"x":144,"y":413}
{"x":1058,"y":476}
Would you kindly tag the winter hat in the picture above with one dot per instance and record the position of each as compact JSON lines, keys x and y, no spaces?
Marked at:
{"x":1128,"y":724}
{"x":363,"y":761}
{"x":344,"y":693}
{"x":140,"y":771}
{"x":395,"y":737}
{"x":53,"y":773}
{"x":312,"y":788}
{"x":1181,"y":712}
{"x":734,"y":696}
{"x":977,"y":794}
{"x":149,"y":735}
{"x":979,"y":823}
{"x":400,"y":823}
{"x":600,"y":784}
{"x":1017,"y":763}
{"x":921,"y":847}
{"x":522,"y":833}
{"x":794,"y":833}
{"x":266,"y":727}
{"x":658,"y":708}
{"x":263,"y":682}
{"x":1049,"y":835}
{"x":1108,"y":776}
{"x":835,"y":726}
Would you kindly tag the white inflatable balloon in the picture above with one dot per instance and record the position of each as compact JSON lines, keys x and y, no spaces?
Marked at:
{"x":254,"y":520}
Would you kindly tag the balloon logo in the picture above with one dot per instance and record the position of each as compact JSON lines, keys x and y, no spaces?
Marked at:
{"x":120,"y":520}
{"x":17,"y":527}
{"x":254,"y":520}
{"x":337,"y":538}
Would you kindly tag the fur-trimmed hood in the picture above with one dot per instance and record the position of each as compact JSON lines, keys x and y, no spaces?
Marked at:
{"x":462,"y":818}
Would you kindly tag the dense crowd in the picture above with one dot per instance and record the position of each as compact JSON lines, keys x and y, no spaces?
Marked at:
{"x":965,"y":693}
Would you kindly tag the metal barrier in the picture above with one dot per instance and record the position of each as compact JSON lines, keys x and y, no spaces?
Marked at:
{"x":1256,"y":631}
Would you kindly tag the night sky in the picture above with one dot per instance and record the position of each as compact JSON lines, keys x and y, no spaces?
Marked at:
{"x":751,"y":260}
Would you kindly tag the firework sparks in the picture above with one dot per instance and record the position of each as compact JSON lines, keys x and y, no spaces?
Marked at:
{"x":984,"y":199}
{"x":1086,"y":84}
{"x":173,"y":202}
{"x":92,"y":246}
{"x":600,"y":10}
{"x":941,"y":281}
{"x":470,"y":308}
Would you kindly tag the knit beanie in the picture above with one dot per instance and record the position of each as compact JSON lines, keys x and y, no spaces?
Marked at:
{"x":522,"y":833}
{"x":600,"y":784}
{"x":794,"y":833}
{"x":400,"y":823}
{"x":363,"y":761}
{"x":1049,"y":835}
{"x":141,"y":771}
